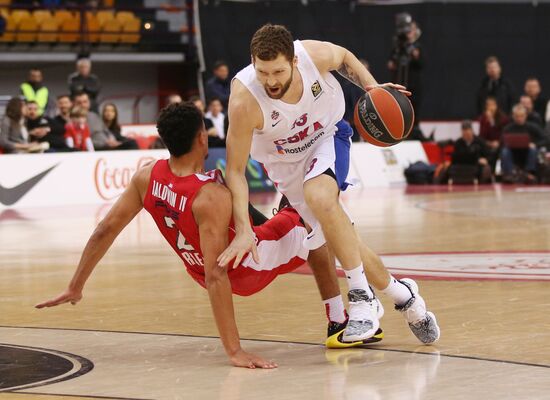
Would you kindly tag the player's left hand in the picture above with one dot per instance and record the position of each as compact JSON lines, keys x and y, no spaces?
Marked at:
{"x":72,"y":296}
{"x":395,"y":86}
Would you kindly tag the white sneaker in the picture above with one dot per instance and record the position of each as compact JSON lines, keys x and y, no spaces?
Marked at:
{"x":363,"y":321}
{"x":421,"y":322}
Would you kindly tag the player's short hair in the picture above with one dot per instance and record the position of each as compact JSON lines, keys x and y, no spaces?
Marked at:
{"x":178,"y":125}
{"x":271,"y":40}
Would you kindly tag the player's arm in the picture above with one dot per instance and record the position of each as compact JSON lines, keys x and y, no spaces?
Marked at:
{"x":212,"y":212}
{"x":330,"y":57}
{"x":243,"y":118}
{"x":122,"y":212}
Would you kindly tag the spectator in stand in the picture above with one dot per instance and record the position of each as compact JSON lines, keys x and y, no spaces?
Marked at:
{"x":77,"y":132}
{"x":219,"y":86}
{"x":173,"y":99}
{"x":40,"y":129}
{"x":110,"y":120}
{"x":14,"y":137}
{"x":101,"y":137}
{"x":216,"y":115}
{"x":34,"y":90}
{"x":472,"y":150}
{"x":493,"y":84}
{"x":532,"y":116}
{"x":540,"y":103}
{"x":527,"y":157}
{"x":83,"y":81}
{"x":58,"y":123}
{"x":491,"y":123}
{"x":213,"y":139}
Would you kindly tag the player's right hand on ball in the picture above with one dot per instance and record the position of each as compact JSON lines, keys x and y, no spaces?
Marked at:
{"x":248,"y":360}
{"x":241,"y":245}
{"x":68,"y":296}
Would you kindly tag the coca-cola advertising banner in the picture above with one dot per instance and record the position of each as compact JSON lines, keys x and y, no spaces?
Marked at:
{"x":58,"y":179}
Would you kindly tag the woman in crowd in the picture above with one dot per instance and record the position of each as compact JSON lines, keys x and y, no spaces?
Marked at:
{"x":14,"y":137}
{"x":491,"y":123}
{"x":110,"y":120}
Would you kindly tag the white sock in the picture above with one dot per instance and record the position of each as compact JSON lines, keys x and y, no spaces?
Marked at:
{"x":357,"y":280}
{"x":398,"y":292}
{"x":335,"y":309}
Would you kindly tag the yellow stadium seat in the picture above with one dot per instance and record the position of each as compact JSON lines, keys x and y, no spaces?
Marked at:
{"x":26,"y":30}
{"x":93,"y":28}
{"x":70,"y":31}
{"x":103,"y":16}
{"x":49,"y":31}
{"x":108,"y":3}
{"x":10,"y":26}
{"x":124,"y":16}
{"x":40,"y":15}
{"x":18,"y":15}
{"x":110,"y":32}
{"x":63,"y":15}
{"x":5,"y":2}
{"x":131,"y":31}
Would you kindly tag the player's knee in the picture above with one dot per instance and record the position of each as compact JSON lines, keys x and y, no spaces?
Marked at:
{"x":321,"y":202}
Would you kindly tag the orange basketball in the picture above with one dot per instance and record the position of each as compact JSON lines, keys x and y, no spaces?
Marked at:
{"x":384,"y":116}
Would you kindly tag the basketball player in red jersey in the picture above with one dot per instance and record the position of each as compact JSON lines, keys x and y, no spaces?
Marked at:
{"x":192,"y":210}
{"x":286,"y":111}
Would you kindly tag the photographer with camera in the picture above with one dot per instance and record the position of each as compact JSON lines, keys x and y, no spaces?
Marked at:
{"x":406,"y":58}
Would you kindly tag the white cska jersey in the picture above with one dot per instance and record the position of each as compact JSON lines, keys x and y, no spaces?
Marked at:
{"x":292,"y":131}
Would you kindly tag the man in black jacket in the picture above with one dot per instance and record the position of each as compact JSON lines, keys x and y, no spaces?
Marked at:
{"x":493,"y":84}
{"x":471,"y":150}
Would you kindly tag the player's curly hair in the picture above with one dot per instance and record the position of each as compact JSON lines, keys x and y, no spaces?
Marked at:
{"x":178,"y":125}
{"x":271,"y":40}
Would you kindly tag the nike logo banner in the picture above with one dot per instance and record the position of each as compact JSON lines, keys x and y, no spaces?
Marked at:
{"x":9,"y":196}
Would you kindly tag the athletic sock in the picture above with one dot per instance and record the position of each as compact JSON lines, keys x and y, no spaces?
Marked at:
{"x":335,"y":309}
{"x":357,"y":280}
{"x":398,"y":292}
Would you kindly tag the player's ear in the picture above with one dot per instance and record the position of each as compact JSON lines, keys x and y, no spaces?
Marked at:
{"x":295,"y":61}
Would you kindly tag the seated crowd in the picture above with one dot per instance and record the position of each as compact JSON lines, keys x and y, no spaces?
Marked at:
{"x":512,"y":129}
{"x":34,"y":123}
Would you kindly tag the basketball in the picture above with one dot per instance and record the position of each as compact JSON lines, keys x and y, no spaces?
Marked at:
{"x":384,"y":116}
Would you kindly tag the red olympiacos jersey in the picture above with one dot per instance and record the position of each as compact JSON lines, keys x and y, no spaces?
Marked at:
{"x":169,"y":200}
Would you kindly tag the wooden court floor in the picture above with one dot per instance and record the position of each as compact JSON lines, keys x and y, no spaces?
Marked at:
{"x":144,"y":329}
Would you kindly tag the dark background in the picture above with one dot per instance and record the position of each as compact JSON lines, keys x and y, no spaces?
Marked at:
{"x":456,"y":39}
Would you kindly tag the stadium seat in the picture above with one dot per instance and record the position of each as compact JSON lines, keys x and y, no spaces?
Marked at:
{"x":41,"y":15}
{"x":63,"y":15}
{"x":131,"y":31}
{"x":5,"y":2}
{"x":93,"y":27}
{"x":26,"y":30}
{"x":10,"y":26}
{"x":108,"y":3}
{"x":110,"y":32}
{"x":70,"y":31}
{"x":18,"y":15}
{"x":48,"y":30}
{"x":124,"y":16}
{"x":103,"y":16}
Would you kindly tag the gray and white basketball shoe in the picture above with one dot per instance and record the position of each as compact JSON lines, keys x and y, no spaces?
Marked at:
{"x":421,"y":322}
{"x":363,"y":316}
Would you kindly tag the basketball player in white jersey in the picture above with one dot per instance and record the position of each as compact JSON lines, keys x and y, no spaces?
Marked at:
{"x":286,"y":110}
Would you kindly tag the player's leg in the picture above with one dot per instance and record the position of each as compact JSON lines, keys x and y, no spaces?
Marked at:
{"x":404,"y":294}
{"x":321,"y":196}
